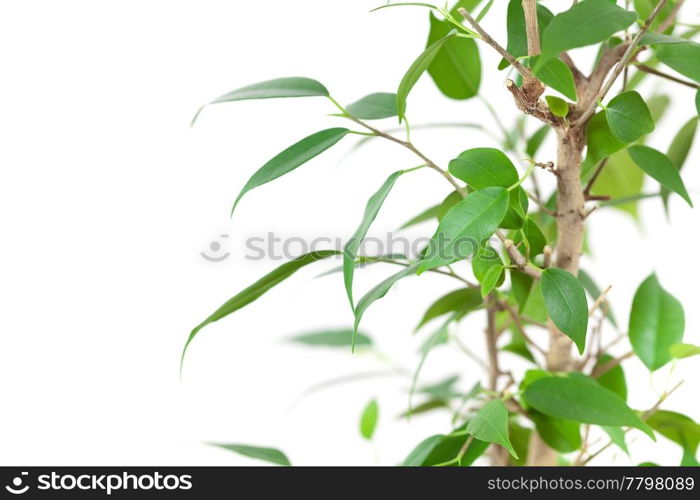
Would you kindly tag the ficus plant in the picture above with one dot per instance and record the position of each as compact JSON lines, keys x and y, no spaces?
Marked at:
{"x":512,"y":249}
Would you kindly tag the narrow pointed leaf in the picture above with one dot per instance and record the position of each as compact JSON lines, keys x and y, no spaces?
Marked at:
{"x":582,"y":400}
{"x":271,"y":455}
{"x":491,"y":425}
{"x":491,"y":278}
{"x":374,"y":204}
{"x":536,"y":140}
{"x":680,"y":148}
{"x":629,"y":117}
{"x":565,"y":301}
{"x":458,"y":301}
{"x":617,"y":436}
{"x":661,"y":168}
{"x":466,"y":226}
{"x":368,"y":420}
{"x":683,"y":57}
{"x":374,"y":106}
{"x":656,"y":323}
{"x":331,"y":338}
{"x":680,"y":351}
{"x":259,"y":288}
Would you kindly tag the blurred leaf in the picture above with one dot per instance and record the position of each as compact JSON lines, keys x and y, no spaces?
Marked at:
{"x":614,"y":379}
{"x":656,"y":323}
{"x":331,"y":338}
{"x":617,"y":436}
{"x":594,"y":292}
{"x":660,"y":167}
{"x":679,"y":149}
{"x":680,"y":429}
{"x":628,"y":117}
{"x":682,"y":57}
{"x":520,"y":437}
{"x":462,"y":300}
{"x":428,"y":406}
{"x":374,"y":106}
{"x":621,"y":179}
{"x":565,"y":301}
{"x":265,"y":454}
{"x":680,"y":351}
{"x":536,"y":140}
{"x":521,"y":286}
{"x":490,"y":424}
{"x":368,"y":420}
{"x":561,"y":435}
{"x":443,"y":390}
{"x":293,"y":157}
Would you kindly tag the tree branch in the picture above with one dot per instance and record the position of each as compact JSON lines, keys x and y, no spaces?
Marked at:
{"x":519,"y":260}
{"x":532,"y":28}
{"x":666,"y":24}
{"x":652,"y":71}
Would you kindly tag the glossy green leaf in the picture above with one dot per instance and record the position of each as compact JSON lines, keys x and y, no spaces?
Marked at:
{"x":561,"y":435}
{"x":621,"y":179}
{"x":658,"y":166}
{"x":517,"y":35}
{"x":534,"y":238}
{"x":378,"y":292}
{"x":680,"y":351}
{"x":536,"y":140}
{"x":600,"y":141}
{"x":617,"y":436}
{"x":682,"y":57}
{"x":558,"y":107}
{"x":280,"y":87}
{"x":680,"y":429}
{"x":465,"y":226}
{"x":271,"y":455}
{"x":416,"y":70}
{"x":491,"y":279}
{"x":521,"y":286}
{"x":517,"y":209}
{"x":656,"y":323}
{"x":556,"y":74}
{"x":374,"y":106}
{"x":486,"y":258}
{"x":565,"y":301}
{"x":293,"y":157}
{"x":582,"y":400}
{"x":628,"y":117}
{"x":332,"y":338}
{"x":484,"y":167}
{"x":374,"y":204}
{"x":456,"y":68}
{"x":257,"y":289}
{"x":680,"y":148}
{"x":613,"y":379}
{"x":458,"y":301}
{"x":585,"y":23}
{"x":368,"y":420}
{"x":490,"y":424}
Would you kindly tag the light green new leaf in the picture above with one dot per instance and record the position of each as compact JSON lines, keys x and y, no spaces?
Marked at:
{"x":486,"y":258}
{"x":377,"y":293}
{"x":374,"y":106}
{"x":558,"y":107}
{"x":271,"y":455}
{"x":613,"y":379}
{"x":280,"y":87}
{"x":484,"y":167}
{"x":565,"y":301}
{"x":331,"y":338}
{"x":374,"y":204}
{"x":557,"y":75}
{"x":680,"y":148}
{"x":656,"y":323}
{"x":515,"y":23}
{"x":416,"y":70}
{"x":491,"y":425}
{"x":491,"y":279}
{"x":628,"y":117}
{"x":257,"y":289}
{"x":680,"y":351}
{"x":661,"y":168}
{"x":293,"y":157}
{"x":680,"y":429}
{"x":584,"y":24}
{"x":459,"y":301}
{"x":683,"y":57}
{"x":582,"y":400}
{"x":368,"y":420}
{"x":621,"y":179}
{"x":562,"y":435}
{"x":600,"y":141}
{"x":465,"y":226}
{"x":456,"y":68}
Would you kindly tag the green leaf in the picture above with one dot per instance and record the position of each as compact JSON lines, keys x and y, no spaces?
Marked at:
{"x":697,"y":101}
{"x":565,"y":301}
{"x":416,"y":70}
{"x":257,"y":289}
{"x":660,"y":39}
{"x":682,"y":57}
{"x":680,"y":351}
{"x":534,"y":238}
{"x":465,"y":226}
{"x":377,"y":293}
{"x":620,"y":179}
{"x":331,"y":338}
{"x":443,"y":390}
{"x":280,"y":87}
{"x":680,"y":429}
{"x":517,"y":209}
{"x":518,"y":346}
{"x":658,"y":105}
{"x":585,"y":23}
{"x":628,"y":117}
{"x":420,"y":453}
{"x":491,"y":278}
{"x":486,"y":258}
{"x":562,"y":435}
{"x":614,"y":379}
{"x":441,"y":449}
{"x":557,"y":75}
{"x":645,"y":7}
{"x":374,"y":204}
{"x":558,"y":107}
{"x":491,"y":425}
{"x":293,"y":157}
{"x":582,"y":400}
{"x":456,"y":68}
{"x":517,"y":35}
{"x":521,"y":286}
{"x":656,"y":323}
{"x":426,"y":215}
{"x":520,"y":437}
{"x":265,"y":454}
{"x":374,"y":106}
{"x":484,"y":167}
{"x":680,"y":148}
{"x":536,"y":140}
{"x":617,"y":436}
{"x":661,"y":168}
{"x":594,"y":292}
{"x":462,"y":301}
{"x":368,"y":420}
{"x":600,"y":141}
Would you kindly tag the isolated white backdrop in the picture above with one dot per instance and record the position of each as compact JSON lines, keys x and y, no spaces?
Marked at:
{"x":108,"y":198}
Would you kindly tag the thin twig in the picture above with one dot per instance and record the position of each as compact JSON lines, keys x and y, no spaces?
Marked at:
{"x":594,"y":177}
{"x":519,"y":325}
{"x":671,"y":18}
{"x":606,"y":367}
{"x":647,"y":69}
{"x":599,"y":301}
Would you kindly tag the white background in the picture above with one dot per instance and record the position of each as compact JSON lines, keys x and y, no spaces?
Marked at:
{"x":108,"y":197}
